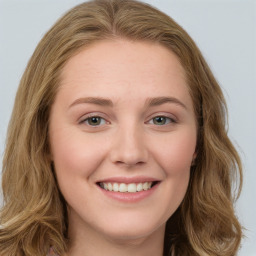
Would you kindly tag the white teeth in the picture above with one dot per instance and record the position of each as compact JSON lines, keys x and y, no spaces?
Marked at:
{"x":122,"y":187}
{"x":145,"y":186}
{"x":115,"y":187}
{"x":132,"y":188}
{"x":110,"y":187}
{"x":139,"y":187}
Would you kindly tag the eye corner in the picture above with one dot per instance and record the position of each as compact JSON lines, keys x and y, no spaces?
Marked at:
{"x":93,"y":121}
{"x":166,"y":120}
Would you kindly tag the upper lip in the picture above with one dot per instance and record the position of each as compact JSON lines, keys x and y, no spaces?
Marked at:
{"x":127,"y":180}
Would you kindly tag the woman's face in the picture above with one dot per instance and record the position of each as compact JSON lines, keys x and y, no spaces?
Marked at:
{"x":123,"y":136}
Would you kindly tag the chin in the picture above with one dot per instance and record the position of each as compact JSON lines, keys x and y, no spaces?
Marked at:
{"x":131,"y":229}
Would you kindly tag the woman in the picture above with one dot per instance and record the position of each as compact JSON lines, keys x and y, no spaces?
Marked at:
{"x":123,"y":148}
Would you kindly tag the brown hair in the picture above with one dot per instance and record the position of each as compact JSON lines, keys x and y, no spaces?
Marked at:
{"x":33,"y":217}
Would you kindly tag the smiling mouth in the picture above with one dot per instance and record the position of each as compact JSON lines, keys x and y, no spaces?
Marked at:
{"x":126,"y":188}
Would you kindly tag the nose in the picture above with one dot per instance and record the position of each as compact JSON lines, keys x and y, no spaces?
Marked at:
{"x":129,"y":147}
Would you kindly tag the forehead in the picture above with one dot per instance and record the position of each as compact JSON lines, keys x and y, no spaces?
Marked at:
{"x":124,"y":68}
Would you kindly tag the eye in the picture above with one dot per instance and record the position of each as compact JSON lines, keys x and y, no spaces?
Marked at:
{"x":161,"y":120}
{"x":94,"y":121}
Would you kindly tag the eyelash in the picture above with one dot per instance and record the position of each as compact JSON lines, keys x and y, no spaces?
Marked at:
{"x":90,"y":117}
{"x":85,"y":120}
{"x":171,"y":120}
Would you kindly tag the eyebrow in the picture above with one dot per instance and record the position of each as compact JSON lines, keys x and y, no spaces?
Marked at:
{"x":150,"y":102}
{"x":93,"y":100}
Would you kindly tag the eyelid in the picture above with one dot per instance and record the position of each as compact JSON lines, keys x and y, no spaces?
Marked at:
{"x":170,"y":116}
{"x":171,"y":121}
{"x":89,"y":115}
{"x":101,"y":115}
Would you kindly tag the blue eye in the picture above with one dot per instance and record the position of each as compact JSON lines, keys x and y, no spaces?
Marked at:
{"x":161,"y":120}
{"x":94,"y":121}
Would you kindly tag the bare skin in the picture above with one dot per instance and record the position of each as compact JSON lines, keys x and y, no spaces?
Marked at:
{"x":122,"y":119}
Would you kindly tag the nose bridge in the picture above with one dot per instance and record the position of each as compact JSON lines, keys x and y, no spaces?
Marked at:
{"x":129,"y":146}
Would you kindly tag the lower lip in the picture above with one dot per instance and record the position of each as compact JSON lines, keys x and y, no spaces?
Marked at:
{"x":128,"y":197}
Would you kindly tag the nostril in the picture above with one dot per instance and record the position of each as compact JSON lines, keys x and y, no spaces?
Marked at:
{"x":130,"y":164}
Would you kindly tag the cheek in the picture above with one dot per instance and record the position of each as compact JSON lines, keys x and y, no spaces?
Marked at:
{"x":175,"y":153}
{"x":75,"y":155}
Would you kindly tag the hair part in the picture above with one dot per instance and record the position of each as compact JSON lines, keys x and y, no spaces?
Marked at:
{"x":34,"y":215}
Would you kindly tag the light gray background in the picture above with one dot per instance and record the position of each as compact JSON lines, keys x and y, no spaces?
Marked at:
{"x":225,"y":31}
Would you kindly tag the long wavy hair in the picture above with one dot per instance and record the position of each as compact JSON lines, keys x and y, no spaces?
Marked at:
{"x":34,"y":214}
